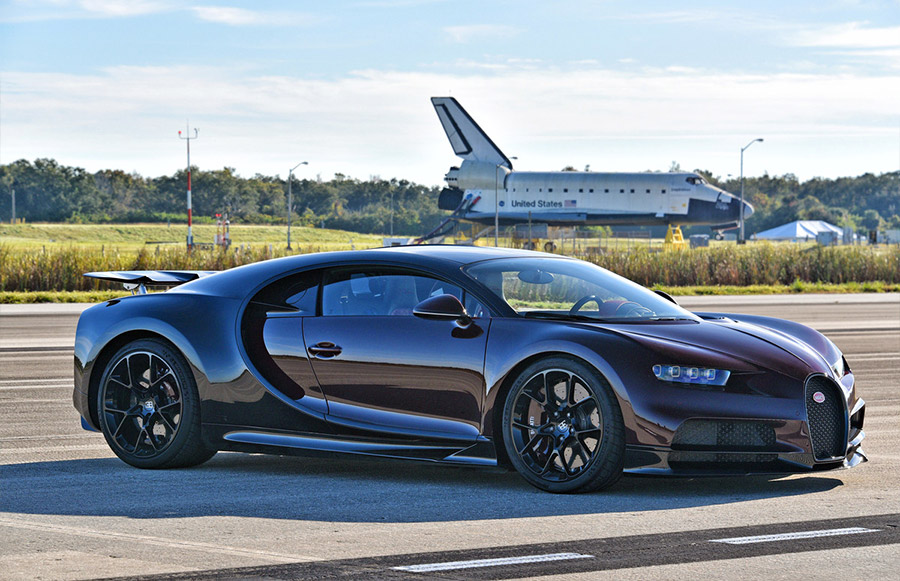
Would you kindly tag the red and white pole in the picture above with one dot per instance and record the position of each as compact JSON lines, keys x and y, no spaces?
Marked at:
{"x":190,"y":234}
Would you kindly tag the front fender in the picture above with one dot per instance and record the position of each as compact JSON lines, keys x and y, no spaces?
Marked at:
{"x":514,"y":341}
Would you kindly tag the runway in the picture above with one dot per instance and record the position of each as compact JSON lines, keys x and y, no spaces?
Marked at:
{"x":70,"y":510}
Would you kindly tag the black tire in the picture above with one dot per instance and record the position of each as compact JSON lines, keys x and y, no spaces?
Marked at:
{"x":148,"y":407}
{"x":562,"y":427}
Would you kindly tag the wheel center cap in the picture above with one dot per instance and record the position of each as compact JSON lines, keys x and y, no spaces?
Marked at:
{"x":149,"y":406}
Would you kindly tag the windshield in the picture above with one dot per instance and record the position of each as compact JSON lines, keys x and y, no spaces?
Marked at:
{"x":571,"y":289}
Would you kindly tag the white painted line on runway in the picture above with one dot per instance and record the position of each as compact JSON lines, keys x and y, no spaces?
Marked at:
{"x":158,"y":541}
{"x":31,"y":358}
{"x":794,"y":536}
{"x":36,"y":386}
{"x":67,"y":401}
{"x":39,"y":380}
{"x":449,"y":566}
{"x":43,"y":449}
{"x":84,"y":434}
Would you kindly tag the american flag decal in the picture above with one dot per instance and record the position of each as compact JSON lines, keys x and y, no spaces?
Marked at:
{"x":569,"y":203}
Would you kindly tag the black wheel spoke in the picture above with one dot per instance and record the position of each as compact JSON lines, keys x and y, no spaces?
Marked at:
{"x":119,"y":427}
{"x":166,"y":422}
{"x":532,"y":396}
{"x":553,"y":454}
{"x":582,"y":453}
{"x":137,"y":441}
{"x":156,"y":384}
{"x":530,"y":443}
{"x":567,"y":465}
{"x":583,"y":402}
{"x":526,"y":426}
{"x":570,"y":390}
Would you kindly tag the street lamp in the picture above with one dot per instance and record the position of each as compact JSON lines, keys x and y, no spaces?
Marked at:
{"x":497,"y":199}
{"x":290,"y":208}
{"x":741,"y":239}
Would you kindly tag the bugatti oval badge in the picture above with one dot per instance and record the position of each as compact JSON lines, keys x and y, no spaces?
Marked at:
{"x":819,"y":397}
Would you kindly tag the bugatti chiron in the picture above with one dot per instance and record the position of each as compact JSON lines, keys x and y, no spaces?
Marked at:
{"x":552,"y":366}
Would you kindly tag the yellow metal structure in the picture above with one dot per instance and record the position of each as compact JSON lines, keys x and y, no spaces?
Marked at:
{"x":674,"y":239}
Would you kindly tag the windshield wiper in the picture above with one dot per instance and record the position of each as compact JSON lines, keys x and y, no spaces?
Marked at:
{"x":669,"y":318}
{"x":562,"y":317}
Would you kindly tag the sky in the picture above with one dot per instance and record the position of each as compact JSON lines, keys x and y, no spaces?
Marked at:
{"x":345,"y":85}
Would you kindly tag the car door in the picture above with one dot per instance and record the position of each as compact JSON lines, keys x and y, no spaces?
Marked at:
{"x":384,"y":369}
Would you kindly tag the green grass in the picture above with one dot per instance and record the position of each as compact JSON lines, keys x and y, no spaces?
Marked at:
{"x":135,"y":236}
{"x":18,"y":298}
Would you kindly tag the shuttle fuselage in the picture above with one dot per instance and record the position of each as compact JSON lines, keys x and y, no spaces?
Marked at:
{"x":485,"y":184}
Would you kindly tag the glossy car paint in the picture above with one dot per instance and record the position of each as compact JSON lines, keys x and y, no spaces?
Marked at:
{"x":407,"y":386}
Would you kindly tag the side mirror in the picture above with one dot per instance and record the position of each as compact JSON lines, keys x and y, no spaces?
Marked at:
{"x":443,"y":307}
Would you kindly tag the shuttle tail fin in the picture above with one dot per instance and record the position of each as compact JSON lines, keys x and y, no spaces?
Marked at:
{"x":466,"y":137}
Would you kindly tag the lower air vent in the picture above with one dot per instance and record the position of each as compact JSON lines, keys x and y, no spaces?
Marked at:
{"x":724,"y":436}
{"x":826,"y":411}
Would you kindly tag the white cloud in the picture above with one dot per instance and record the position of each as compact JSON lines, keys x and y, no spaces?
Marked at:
{"x":44,"y":10}
{"x":123,"y":8}
{"x":852,"y":35}
{"x":380,"y":122}
{"x":467,"y":33}
{"x":242,"y":17}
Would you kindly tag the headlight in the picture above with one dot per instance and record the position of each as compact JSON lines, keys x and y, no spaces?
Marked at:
{"x":693,"y":375}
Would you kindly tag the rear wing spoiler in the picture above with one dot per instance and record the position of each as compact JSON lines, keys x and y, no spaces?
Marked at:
{"x":137,"y":281}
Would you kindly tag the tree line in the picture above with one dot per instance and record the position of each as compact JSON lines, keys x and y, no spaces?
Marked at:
{"x":46,"y":191}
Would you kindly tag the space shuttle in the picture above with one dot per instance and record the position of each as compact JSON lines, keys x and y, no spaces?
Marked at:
{"x":567,"y":198}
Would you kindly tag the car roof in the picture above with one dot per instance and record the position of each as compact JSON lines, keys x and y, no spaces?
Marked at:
{"x":240,"y":281}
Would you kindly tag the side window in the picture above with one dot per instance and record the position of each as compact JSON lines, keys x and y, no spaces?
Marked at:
{"x":295,"y":293}
{"x":379,"y":292}
{"x":475,"y":308}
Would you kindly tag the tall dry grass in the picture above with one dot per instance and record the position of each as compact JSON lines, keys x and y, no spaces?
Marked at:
{"x":58,"y":269}
{"x":62,"y":269}
{"x":766,"y":264}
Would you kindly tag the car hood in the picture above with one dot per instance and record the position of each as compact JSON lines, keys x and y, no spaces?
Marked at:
{"x":739,"y":346}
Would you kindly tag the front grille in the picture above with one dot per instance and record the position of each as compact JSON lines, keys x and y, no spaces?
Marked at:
{"x":724,"y":436}
{"x":827,"y":417}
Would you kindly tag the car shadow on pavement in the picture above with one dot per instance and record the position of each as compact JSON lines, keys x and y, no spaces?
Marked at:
{"x":351,"y":489}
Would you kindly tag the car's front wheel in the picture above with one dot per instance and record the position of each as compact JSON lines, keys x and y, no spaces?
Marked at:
{"x":562,"y":427}
{"x":148,"y":407}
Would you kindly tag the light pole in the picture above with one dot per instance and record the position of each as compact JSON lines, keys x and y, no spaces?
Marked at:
{"x":741,"y":238}
{"x":497,"y":200}
{"x":290,"y":208}
{"x":187,"y":138}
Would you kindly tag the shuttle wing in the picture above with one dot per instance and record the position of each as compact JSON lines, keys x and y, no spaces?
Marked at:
{"x":466,"y":137}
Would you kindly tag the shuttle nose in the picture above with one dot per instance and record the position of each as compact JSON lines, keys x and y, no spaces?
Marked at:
{"x":748,"y":210}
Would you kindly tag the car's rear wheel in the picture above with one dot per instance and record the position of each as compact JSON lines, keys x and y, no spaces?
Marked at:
{"x":148,"y":407}
{"x":562,"y":427}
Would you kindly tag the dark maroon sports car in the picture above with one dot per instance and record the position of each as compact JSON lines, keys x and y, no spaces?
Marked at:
{"x":552,"y":366}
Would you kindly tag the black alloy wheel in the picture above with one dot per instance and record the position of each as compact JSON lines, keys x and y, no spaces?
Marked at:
{"x":562,"y":427}
{"x":149,"y":409}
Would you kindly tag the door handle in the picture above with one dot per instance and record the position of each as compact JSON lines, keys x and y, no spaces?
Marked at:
{"x":325,"y":350}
